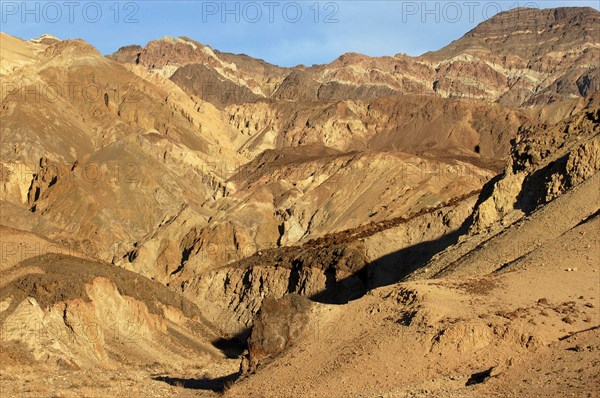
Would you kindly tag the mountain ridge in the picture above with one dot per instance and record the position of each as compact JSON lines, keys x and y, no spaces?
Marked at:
{"x":349,"y":67}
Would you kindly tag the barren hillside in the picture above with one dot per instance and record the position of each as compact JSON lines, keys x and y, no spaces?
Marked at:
{"x":180,"y":221}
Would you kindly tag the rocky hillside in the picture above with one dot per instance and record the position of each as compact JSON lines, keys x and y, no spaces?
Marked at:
{"x":220,"y":78}
{"x":62,"y":310}
{"x":549,"y":171}
{"x":187,"y":186}
{"x":460,"y":238}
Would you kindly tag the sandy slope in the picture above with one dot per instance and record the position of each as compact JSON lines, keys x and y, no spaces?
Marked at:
{"x":512,"y":321}
{"x":16,"y":53}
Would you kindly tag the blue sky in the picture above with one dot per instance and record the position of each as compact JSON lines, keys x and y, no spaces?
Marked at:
{"x":286,"y":33}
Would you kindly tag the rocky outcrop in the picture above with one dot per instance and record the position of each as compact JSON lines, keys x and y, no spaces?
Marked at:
{"x":544,"y":163}
{"x":127,"y":54}
{"x":232,"y":295}
{"x":278,"y":325}
{"x":218,"y":73}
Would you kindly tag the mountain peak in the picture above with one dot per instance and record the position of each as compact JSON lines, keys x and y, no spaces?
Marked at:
{"x":46,"y":38}
{"x":166,"y":54}
{"x":72,"y":48}
{"x":526,"y":32}
{"x":182,"y":40}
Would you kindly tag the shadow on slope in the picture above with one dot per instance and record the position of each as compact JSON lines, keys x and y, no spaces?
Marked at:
{"x":386,"y":270}
{"x":396,"y":266}
{"x":233,"y":346}
{"x":218,"y":384}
